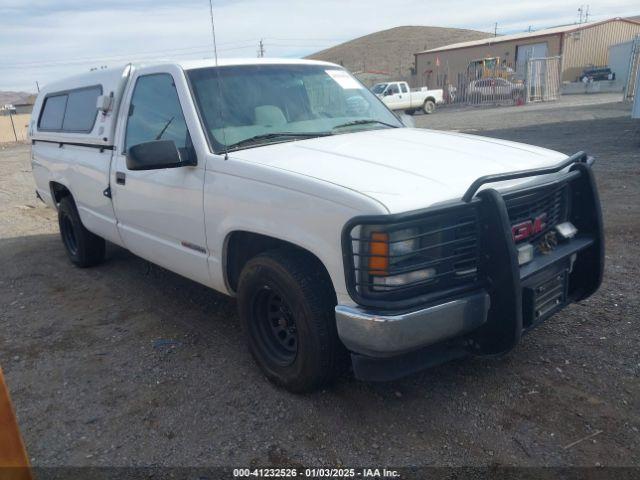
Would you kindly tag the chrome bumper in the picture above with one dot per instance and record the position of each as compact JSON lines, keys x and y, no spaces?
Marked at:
{"x":384,"y":335}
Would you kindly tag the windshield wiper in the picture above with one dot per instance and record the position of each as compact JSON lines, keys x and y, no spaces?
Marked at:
{"x":364,"y":122}
{"x":270,"y":136}
{"x":164,"y":129}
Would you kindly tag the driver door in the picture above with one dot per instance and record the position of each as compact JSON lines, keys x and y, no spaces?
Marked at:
{"x":160,"y":211}
{"x":393,"y":97}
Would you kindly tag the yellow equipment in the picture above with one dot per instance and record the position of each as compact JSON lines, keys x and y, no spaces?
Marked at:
{"x":14,"y":464}
{"x":490,"y":67}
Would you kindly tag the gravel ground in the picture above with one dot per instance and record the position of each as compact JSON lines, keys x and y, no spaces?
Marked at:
{"x":129,"y":364}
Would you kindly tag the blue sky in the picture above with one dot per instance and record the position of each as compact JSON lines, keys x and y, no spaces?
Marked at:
{"x":46,"y":40}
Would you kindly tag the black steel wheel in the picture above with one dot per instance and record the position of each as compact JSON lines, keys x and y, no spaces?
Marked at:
{"x":286,"y":305}
{"x":68,"y":234}
{"x":84,"y":248}
{"x":277,"y":332}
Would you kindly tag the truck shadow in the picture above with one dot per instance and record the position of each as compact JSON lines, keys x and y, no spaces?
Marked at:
{"x":129,"y":292}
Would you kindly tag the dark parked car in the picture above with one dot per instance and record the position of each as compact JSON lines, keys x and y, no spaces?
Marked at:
{"x":596,"y":74}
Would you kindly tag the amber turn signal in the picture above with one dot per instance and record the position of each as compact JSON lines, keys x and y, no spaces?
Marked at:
{"x":379,"y":251}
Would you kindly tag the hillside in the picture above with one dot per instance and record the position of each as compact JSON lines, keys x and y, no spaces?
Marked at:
{"x":13,"y":97}
{"x":392,"y":50}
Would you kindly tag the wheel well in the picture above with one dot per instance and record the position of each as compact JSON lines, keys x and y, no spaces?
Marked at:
{"x":243,"y":246}
{"x":430,"y":98}
{"x":59,"y":191}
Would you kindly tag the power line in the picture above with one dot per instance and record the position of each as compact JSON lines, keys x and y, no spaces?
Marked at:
{"x":122,"y":58}
{"x":166,"y":52}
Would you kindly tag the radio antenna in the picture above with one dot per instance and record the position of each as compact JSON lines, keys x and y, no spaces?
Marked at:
{"x":213,"y":32}
{"x":215,"y":53}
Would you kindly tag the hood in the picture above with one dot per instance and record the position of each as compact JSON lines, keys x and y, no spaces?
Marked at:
{"x":404,"y":168}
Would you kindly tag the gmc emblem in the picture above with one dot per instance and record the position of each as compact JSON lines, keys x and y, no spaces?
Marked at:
{"x":524,"y":230}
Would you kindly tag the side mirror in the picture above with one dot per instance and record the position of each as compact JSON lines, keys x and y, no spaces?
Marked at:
{"x":159,"y":154}
{"x":387,"y":93}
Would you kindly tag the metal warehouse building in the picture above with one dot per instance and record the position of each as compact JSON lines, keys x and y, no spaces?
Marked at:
{"x":579,"y":46}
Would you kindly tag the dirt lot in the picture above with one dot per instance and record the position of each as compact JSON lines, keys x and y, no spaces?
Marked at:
{"x":7,"y":125}
{"x":128,"y":364}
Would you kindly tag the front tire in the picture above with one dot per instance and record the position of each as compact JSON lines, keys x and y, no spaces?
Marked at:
{"x":84,"y":248}
{"x":286,"y":306}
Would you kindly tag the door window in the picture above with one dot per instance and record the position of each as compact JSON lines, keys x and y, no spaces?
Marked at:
{"x":404,"y":88}
{"x":393,"y":89}
{"x":155,"y":113}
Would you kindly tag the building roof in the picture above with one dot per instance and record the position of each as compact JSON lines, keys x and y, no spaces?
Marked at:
{"x":526,"y":35}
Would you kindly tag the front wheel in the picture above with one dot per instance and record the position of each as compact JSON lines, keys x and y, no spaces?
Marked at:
{"x":286,"y":306}
{"x":84,"y":248}
{"x":429,"y":107}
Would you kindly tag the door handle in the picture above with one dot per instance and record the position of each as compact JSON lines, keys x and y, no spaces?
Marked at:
{"x":121,"y":178}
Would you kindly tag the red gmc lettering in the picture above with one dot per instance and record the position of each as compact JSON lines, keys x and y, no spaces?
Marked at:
{"x":524,"y":230}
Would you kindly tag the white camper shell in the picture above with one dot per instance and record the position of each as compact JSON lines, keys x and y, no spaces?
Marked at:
{"x":99,"y":89}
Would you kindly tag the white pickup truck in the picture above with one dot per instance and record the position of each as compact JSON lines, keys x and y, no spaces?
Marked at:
{"x":398,"y":96}
{"x":345,"y":236}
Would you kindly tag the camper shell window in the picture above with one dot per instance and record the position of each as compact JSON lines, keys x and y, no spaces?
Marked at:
{"x":73,"y":111}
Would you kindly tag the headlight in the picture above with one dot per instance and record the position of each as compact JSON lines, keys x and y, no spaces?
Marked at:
{"x":390,"y":281}
{"x":403,"y":242}
{"x":413,"y":257}
{"x":402,"y":249}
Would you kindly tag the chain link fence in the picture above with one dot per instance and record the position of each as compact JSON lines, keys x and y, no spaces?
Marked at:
{"x":491,"y":82}
{"x":634,"y":71}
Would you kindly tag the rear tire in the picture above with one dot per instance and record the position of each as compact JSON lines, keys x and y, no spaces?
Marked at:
{"x":84,"y":248}
{"x":429,"y":107}
{"x":286,"y":306}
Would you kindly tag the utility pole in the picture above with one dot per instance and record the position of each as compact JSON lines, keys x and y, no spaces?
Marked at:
{"x":261,"y":49}
{"x":586,"y":15}
{"x":13,"y":126}
{"x":495,"y":30}
{"x":38,"y":86}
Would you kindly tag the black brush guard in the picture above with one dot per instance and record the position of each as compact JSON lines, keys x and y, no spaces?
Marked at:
{"x":505,"y":279}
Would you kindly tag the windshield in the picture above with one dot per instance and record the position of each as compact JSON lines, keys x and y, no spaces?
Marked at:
{"x":379,"y":88}
{"x":250,"y":105}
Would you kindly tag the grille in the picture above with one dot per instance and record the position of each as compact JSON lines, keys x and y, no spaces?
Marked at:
{"x":445,"y":245}
{"x":551,"y":201}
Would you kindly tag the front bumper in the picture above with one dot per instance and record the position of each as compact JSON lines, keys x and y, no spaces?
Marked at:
{"x":493,"y":319}
{"x":381,"y":335}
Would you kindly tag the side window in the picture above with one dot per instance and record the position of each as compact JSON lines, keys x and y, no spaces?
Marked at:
{"x":393,"y":89}
{"x":155,"y":113}
{"x":404,"y":88}
{"x":53,"y":113}
{"x":72,"y":111}
{"x":81,"y":110}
